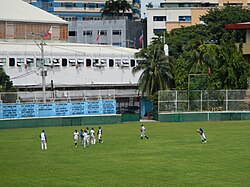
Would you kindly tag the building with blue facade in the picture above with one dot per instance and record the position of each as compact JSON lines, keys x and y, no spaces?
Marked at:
{"x":82,"y":10}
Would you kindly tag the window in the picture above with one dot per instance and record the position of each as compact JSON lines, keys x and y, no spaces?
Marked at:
{"x":91,"y":5}
{"x":47,"y":62}
{"x":185,"y":18}
{"x":80,"y":62}
{"x":103,"y":62}
{"x":95,"y":62}
{"x":132,"y":63}
{"x":117,"y":32}
{"x":88,"y":62}
{"x":159,"y":18}
{"x":29,"y":61}
{"x":111,"y":63}
{"x":72,"y":33}
{"x":20,"y":61}
{"x":11,"y":62}
{"x":72,"y":62}
{"x":117,"y":44}
{"x":2,"y":61}
{"x":157,"y":31}
{"x":69,"y":5}
{"x":118,"y":62}
{"x":125,"y":62}
{"x":56,"y":62}
{"x":64,"y":62}
{"x":87,"y":32}
{"x":103,"y":32}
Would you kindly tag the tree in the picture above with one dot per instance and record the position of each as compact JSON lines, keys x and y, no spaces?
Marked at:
{"x":112,"y":7}
{"x":150,"y":5}
{"x":181,"y":74}
{"x":204,"y":47}
{"x":109,"y":8}
{"x":5,"y":84}
{"x":218,"y":17}
{"x":156,"y":70}
{"x":233,"y":69}
{"x":124,"y":6}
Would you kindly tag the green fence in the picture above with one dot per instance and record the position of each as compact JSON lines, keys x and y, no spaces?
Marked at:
{"x":203,"y":116}
{"x":60,"y":121}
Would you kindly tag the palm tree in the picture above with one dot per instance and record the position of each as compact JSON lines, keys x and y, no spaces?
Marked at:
{"x":109,"y":8}
{"x":112,"y":7}
{"x":124,"y":6}
{"x":157,"y":70}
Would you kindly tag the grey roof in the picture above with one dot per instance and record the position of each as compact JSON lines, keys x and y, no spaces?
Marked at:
{"x":18,"y":10}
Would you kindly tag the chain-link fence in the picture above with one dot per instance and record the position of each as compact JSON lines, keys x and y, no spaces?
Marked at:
{"x":171,"y":101}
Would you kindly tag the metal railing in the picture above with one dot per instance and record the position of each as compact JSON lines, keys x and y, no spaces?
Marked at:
{"x":55,"y":96}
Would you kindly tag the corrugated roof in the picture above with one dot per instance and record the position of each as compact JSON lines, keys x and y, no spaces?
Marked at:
{"x":18,"y":10}
{"x":67,"y":48}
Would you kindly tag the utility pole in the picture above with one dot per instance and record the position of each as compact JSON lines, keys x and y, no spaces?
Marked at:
{"x":43,"y":72}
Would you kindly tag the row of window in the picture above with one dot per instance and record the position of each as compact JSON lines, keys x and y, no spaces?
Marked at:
{"x":75,"y":18}
{"x":102,"y":33}
{"x":180,"y":18}
{"x":70,"y":5}
{"x":56,"y":62}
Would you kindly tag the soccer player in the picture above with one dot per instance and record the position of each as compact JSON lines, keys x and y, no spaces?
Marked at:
{"x":81,"y":136}
{"x":92,"y":136}
{"x":85,"y":138}
{"x":75,"y":137}
{"x":143,"y":129}
{"x":87,"y":131}
{"x":202,"y":135}
{"x":99,"y":133}
{"x":43,"y":138}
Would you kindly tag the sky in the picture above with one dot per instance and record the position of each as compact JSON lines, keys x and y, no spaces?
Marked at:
{"x":156,"y":3}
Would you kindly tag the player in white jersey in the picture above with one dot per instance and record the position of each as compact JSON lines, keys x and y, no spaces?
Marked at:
{"x":92,"y":136}
{"x":85,"y":138}
{"x":43,"y":138}
{"x":143,"y":129}
{"x":75,"y":137}
{"x":99,"y":133}
{"x":202,"y":135}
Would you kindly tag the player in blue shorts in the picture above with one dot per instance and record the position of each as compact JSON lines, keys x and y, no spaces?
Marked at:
{"x":202,"y":135}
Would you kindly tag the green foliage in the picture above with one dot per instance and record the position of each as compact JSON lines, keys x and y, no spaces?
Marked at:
{"x":233,"y":69}
{"x":210,"y":49}
{"x":5,"y":83}
{"x":173,"y":156}
{"x":156,"y":69}
{"x":218,"y":17}
{"x":113,"y":7}
{"x":181,"y":74}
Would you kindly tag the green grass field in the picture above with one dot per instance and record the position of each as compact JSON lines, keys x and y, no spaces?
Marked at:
{"x":173,"y":156}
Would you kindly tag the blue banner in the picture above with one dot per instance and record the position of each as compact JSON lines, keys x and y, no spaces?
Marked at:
{"x":20,"y":110}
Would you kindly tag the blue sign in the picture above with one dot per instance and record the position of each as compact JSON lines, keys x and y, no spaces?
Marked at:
{"x":20,"y":110}
{"x":78,"y":108}
{"x":28,"y":110}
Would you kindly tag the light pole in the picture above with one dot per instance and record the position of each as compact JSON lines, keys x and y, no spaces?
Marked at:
{"x":43,"y":72}
{"x":41,"y":47}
